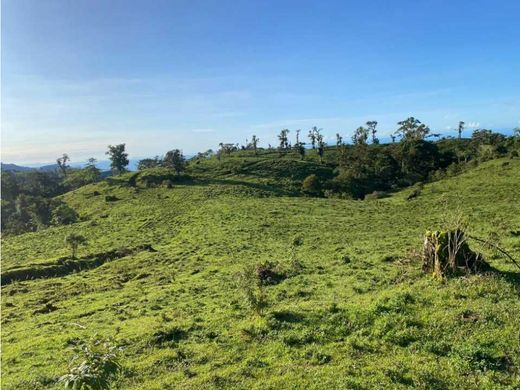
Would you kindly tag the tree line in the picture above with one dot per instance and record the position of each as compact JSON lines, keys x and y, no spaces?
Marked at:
{"x":361,"y":167}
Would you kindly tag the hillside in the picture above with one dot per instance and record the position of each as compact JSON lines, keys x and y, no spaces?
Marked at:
{"x":350,"y":308}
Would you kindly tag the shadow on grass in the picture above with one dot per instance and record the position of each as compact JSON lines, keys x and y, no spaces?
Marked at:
{"x":511,"y":277}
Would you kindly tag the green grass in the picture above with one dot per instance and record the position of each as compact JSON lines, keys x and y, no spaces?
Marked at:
{"x":374,"y":322}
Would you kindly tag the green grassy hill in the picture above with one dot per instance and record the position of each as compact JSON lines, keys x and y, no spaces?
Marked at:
{"x":351,"y":309}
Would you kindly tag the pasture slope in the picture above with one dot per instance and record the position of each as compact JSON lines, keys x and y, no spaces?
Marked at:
{"x":356,"y":312}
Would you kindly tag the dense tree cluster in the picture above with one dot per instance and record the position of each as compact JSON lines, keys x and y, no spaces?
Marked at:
{"x":173,"y":159}
{"x":29,"y":203}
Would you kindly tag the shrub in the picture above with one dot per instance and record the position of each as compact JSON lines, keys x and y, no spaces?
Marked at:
{"x":74,"y":241}
{"x":63,"y":215}
{"x":414,"y":194}
{"x":252,"y":288}
{"x":311,"y":185}
{"x":454,"y":169}
{"x":98,"y":366}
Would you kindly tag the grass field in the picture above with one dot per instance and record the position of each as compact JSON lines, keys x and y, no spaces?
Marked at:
{"x":356,"y":313}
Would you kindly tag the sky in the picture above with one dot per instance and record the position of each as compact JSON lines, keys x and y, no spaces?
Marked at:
{"x":157,"y":75}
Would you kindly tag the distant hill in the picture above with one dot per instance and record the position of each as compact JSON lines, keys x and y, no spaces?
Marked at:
{"x":20,"y":168}
{"x":48,"y":168}
{"x":14,"y":167}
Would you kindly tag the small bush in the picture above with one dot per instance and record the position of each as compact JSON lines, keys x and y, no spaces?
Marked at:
{"x":414,"y":194}
{"x":63,"y":215}
{"x":98,"y":366}
{"x":74,"y":241}
{"x":311,"y":185}
{"x":253,"y":288}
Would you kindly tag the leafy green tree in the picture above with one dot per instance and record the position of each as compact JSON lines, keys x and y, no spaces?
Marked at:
{"x":412,"y":129}
{"x":339,"y":140}
{"x":63,"y":164}
{"x":10,"y":187}
{"x":63,"y":215}
{"x":147,"y":163}
{"x":321,"y":147}
{"x":371,"y":127}
{"x":486,"y":144}
{"x":342,"y":154}
{"x":297,"y":137}
{"x":174,"y":159}
{"x":77,"y":178}
{"x":284,"y":140}
{"x":312,"y":136}
{"x":23,"y":207}
{"x":74,"y":241}
{"x":118,"y":157}
{"x":93,"y":173}
{"x":360,"y":136}
{"x":40,"y":183}
{"x":417,"y":157}
{"x":226,"y":148}
{"x":311,"y":185}
{"x":254,"y":143}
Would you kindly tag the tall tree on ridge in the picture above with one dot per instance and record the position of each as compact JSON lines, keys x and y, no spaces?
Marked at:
{"x":312,"y":136}
{"x":118,"y":158}
{"x":321,"y":146}
{"x":412,"y":129}
{"x":371,"y":125}
{"x":339,"y":140}
{"x":284,"y":141}
{"x":174,"y":160}
{"x":254,"y":143}
{"x":62,"y":163}
{"x":461,"y":127}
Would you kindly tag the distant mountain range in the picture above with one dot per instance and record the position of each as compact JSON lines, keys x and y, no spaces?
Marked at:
{"x":16,"y":168}
{"x":102,"y":165}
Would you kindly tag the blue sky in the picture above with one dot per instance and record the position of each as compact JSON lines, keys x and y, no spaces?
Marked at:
{"x":79,"y":75}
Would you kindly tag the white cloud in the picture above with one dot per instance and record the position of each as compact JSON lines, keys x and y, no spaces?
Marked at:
{"x":472,"y":125}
